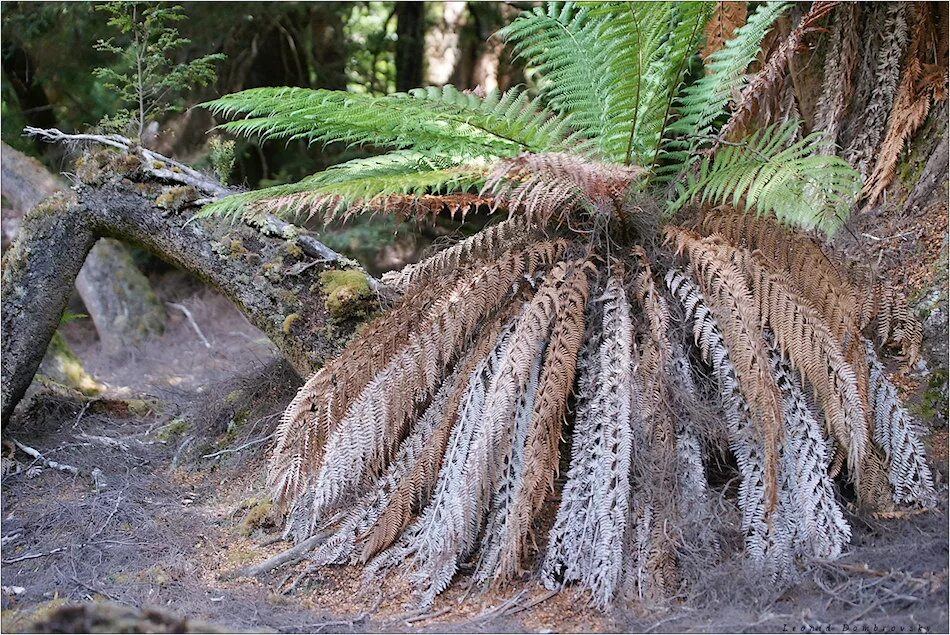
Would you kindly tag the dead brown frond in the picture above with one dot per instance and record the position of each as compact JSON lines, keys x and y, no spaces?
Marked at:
{"x":924,"y":82}
{"x":885,"y":309}
{"x":487,"y":244}
{"x":721,"y":28}
{"x":818,"y":278}
{"x":545,"y":186}
{"x":738,"y":315}
{"x":801,"y":335}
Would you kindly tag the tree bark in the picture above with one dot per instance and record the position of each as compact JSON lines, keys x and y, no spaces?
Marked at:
{"x":410,"y":44}
{"x":117,"y":295}
{"x":935,"y":173}
{"x":270,"y":271}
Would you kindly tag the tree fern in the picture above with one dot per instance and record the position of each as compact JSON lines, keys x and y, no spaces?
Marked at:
{"x":458,"y":371}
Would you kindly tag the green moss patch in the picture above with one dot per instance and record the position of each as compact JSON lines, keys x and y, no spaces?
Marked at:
{"x":347,"y":293}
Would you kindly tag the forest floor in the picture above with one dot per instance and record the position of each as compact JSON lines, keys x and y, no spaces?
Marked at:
{"x":170,"y":498}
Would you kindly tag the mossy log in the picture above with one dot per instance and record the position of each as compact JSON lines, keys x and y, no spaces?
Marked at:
{"x":117,"y":296}
{"x":270,"y":270}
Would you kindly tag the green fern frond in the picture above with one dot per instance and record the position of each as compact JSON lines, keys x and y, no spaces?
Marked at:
{"x":702,"y":104}
{"x":441,"y":120}
{"x":357,"y":184}
{"x":770,"y":175}
{"x":561,"y":44}
{"x":649,"y":48}
{"x":611,"y":69}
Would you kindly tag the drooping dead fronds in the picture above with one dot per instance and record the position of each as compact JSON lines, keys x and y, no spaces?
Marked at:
{"x":440,"y":453}
{"x":586,"y":543}
{"x":840,"y":67}
{"x":863,"y":147}
{"x":734,"y":307}
{"x":896,"y":433}
{"x":815,"y":276}
{"x":921,"y":85}
{"x":544,"y":433}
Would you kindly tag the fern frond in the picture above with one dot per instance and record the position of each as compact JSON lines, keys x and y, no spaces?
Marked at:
{"x":801,"y":335}
{"x":756,"y":499}
{"x":610,"y":70}
{"x":566,"y":558}
{"x":818,"y":277}
{"x":373,"y":184}
{"x":885,"y":309}
{"x":363,"y":441}
{"x":648,"y":47}
{"x":543,"y":435}
{"x":487,"y":244}
{"x":841,"y":63}
{"x":702,"y":104}
{"x":897,"y":434}
{"x":819,"y":528}
{"x":738,"y":317}
{"x":862,"y":150}
{"x":415,"y":487}
{"x":916,"y":93}
{"x":427,"y":120}
{"x":768,"y":174}
{"x":773,"y":73}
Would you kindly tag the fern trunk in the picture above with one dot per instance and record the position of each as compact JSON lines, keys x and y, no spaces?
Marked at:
{"x":273,"y":279}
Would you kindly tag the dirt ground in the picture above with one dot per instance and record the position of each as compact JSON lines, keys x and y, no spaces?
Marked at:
{"x":170,"y":496}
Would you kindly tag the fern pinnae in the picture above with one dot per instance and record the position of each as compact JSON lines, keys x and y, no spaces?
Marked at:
{"x":898,"y":435}
{"x":566,"y":555}
{"x":729,"y":298}
{"x":818,"y":525}
{"x":612,"y":420}
{"x":488,"y":244}
{"x":815,"y":353}
{"x":550,"y":408}
{"x":763,"y":546}
{"x":415,"y":487}
{"x":428,"y":539}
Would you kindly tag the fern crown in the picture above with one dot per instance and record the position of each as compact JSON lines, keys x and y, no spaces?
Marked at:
{"x":614,"y":86}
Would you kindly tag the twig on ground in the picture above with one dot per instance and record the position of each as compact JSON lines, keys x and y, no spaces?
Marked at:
{"x":191,"y":321}
{"x":538,"y":600}
{"x":428,"y":616}
{"x":294,"y":554}
{"x":501,"y":609}
{"x":239,"y":448}
{"x":36,"y":454}
{"x":107,"y":441}
{"x":82,"y":411}
{"x":33,"y":556}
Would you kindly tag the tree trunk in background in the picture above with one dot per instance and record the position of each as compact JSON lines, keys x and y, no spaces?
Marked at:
{"x":410,"y":44}
{"x":442,"y":42}
{"x":34,"y":104}
{"x":117,"y":295}
{"x":271,"y":273}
